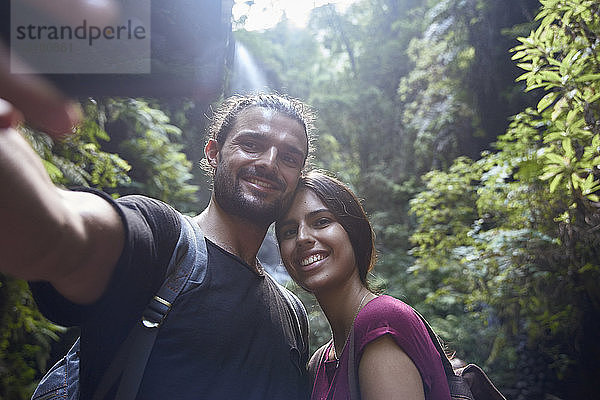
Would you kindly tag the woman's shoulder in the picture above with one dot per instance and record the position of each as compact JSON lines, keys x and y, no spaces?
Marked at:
{"x":388,"y":312}
{"x":385,"y":305}
{"x":386,"y":315}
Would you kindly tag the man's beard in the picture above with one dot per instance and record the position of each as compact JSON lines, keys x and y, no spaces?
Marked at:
{"x":252,"y":207}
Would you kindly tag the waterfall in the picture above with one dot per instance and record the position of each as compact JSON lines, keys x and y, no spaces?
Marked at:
{"x":246,"y":77}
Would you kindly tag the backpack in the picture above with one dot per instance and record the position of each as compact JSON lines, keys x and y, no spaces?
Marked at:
{"x":466,"y":383}
{"x":189,"y":258}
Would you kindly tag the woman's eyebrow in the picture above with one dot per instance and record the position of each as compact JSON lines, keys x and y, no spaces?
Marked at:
{"x":310,"y":214}
{"x":320,"y":210}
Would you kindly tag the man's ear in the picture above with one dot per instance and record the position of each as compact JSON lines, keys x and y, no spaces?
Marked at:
{"x":211,"y":151}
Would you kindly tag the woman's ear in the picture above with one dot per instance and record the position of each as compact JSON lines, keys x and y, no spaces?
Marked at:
{"x":211,"y":151}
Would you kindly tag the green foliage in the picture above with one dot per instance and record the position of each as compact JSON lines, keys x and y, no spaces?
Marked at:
{"x":25,"y":339}
{"x":79,"y":160}
{"x":515,"y":241}
{"x":148,"y":141}
{"x":295,"y":71}
{"x":561,"y":57}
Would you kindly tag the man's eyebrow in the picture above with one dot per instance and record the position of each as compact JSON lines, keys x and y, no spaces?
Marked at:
{"x":295,"y":150}
{"x":247,"y":133}
{"x":250,"y":133}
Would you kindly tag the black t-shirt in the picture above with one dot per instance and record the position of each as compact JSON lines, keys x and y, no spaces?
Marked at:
{"x":227,"y":337}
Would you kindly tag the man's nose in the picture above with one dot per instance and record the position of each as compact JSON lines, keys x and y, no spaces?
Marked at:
{"x":268,"y":158}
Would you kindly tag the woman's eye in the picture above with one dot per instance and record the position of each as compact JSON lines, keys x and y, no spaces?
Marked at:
{"x":321,"y":222}
{"x":288,"y":233}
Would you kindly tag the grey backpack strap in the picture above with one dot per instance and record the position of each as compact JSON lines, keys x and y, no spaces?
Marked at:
{"x":300,"y":319}
{"x":132,"y":356}
{"x":313,"y":365}
{"x":299,"y":324}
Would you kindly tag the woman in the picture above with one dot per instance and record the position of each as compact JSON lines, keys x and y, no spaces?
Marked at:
{"x":327,"y":246}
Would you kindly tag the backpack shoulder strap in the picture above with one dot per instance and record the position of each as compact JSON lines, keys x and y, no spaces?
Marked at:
{"x":458,"y":387}
{"x":300,"y":319}
{"x":438,"y":345}
{"x":315,"y":361}
{"x":353,"y":387}
{"x":470,"y":382}
{"x":133,"y":354}
{"x":480,"y":385}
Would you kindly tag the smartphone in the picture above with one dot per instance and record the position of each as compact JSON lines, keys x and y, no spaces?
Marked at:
{"x":155,"y":48}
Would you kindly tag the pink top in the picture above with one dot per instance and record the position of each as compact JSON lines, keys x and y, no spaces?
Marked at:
{"x":381,"y":316}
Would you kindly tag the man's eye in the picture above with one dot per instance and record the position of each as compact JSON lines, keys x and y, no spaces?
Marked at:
{"x":291,"y":160}
{"x":249,"y":146}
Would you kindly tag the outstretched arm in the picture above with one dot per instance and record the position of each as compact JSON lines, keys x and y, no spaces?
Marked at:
{"x":386,"y":372}
{"x":71,"y":239}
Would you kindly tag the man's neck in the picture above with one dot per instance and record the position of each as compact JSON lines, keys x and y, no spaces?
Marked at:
{"x":232,"y":233}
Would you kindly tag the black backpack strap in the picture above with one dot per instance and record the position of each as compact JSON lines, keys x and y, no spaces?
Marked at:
{"x":459,"y":389}
{"x":132,"y":356}
{"x":470,"y":383}
{"x":438,"y":346}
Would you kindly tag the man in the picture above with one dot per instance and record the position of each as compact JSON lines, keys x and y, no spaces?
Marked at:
{"x":96,"y":262}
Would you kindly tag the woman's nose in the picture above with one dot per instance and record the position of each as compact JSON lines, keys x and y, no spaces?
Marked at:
{"x":304,"y":236}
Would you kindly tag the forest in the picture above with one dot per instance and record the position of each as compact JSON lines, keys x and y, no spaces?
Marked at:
{"x":470,"y":129}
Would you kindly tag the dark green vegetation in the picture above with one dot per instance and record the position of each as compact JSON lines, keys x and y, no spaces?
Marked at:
{"x":480,"y":173}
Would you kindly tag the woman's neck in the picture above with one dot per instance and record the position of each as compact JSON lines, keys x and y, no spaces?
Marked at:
{"x":341,"y":308}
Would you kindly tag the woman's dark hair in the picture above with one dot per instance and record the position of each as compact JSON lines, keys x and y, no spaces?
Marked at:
{"x":225,"y":114}
{"x":348,"y":211}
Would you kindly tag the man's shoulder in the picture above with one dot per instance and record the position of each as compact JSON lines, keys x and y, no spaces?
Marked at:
{"x":156,"y":214}
{"x":144,"y":202}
